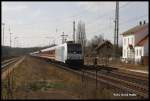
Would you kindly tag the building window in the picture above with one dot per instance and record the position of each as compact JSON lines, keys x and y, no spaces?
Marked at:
{"x":124,"y":41}
{"x":132,"y":41}
{"x":124,"y":53}
{"x":140,"y":52}
{"x":137,"y":52}
{"x":128,"y":40}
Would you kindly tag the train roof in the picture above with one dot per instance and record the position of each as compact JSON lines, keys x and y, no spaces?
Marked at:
{"x":36,"y":52}
{"x":47,"y":49}
{"x":52,"y":48}
{"x":33,"y":52}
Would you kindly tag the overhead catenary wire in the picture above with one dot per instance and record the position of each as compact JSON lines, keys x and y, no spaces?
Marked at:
{"x":124,"y":22}
{"x":101,"y":16}
{"x":107,"y":27}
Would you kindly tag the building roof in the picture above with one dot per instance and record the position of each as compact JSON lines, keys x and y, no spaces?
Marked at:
{"x":47,"y":49}
{"x":143,"y":41}
{"x":104,"y":43}
{"x":138,"y":28}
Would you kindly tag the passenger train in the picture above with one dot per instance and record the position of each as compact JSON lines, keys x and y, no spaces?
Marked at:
{"x":68,"y":53}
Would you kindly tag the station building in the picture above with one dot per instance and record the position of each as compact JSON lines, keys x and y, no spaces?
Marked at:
{"x":136,"y":44}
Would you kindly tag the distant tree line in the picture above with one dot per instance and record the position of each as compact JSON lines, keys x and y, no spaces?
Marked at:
{"x":7,"y":52}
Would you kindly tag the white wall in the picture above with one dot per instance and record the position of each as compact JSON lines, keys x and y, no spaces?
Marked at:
{"x":146,"y":48}
{"x":126,"y":41}
{"x":139,"y":51}
{"x":133,"y":39}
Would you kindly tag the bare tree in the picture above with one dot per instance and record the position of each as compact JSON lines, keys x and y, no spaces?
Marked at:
{"x":93,"y":43}
{"x":81,"y":35}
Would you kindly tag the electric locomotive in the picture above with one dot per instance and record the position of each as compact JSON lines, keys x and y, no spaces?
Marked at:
{"x":68,"y":53}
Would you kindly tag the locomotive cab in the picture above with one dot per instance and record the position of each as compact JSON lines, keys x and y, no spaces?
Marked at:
{"x":74,"y":54}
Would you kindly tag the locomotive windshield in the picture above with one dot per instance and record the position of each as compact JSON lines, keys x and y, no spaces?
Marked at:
{"x":74,"y":48}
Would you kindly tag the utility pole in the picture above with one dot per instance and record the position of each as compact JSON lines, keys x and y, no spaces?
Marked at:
{"x":116,"y":30}
{"x":10,"y":39}
{"x":64,"y":38}
{"x":3,"y":31}
{"x":10,"y":35}
{"x":54,"y":41}
{"x":74,"y":31}
{"x":15,"y":40}
{"x":48,"y":39}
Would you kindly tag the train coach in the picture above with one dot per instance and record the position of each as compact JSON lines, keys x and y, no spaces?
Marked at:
{"x":68,"y":53}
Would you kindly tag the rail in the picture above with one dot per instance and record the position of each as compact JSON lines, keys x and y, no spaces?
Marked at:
{"x":115,"y":82}
{"x":129,"y":86}
{"x":8,"y":62}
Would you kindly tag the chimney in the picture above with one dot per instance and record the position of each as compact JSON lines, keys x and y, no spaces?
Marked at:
{"x":144,"y":22}
{"x":140,"y":23}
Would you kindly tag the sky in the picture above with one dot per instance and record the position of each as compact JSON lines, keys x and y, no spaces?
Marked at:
{"x":42,"y":23}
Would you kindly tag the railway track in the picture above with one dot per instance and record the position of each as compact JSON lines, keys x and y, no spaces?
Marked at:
{"x":8,"y":66}
{"x":139,"y":79}
{"x":129,"y":77}
{"x":126,"y":85}
{"x":8,"y":62}
{"x":137,"y":84}
{"x":115,"y":81}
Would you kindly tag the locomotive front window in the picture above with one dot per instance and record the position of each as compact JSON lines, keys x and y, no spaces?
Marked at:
{"x":74,"y":48}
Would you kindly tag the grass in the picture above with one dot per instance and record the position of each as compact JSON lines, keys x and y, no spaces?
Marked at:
{"x":46,"y":77}
{"x":74,"y":82}
{"x":55,"y":85}
{"x":42,"y":85}
{"x":4,"y":89}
